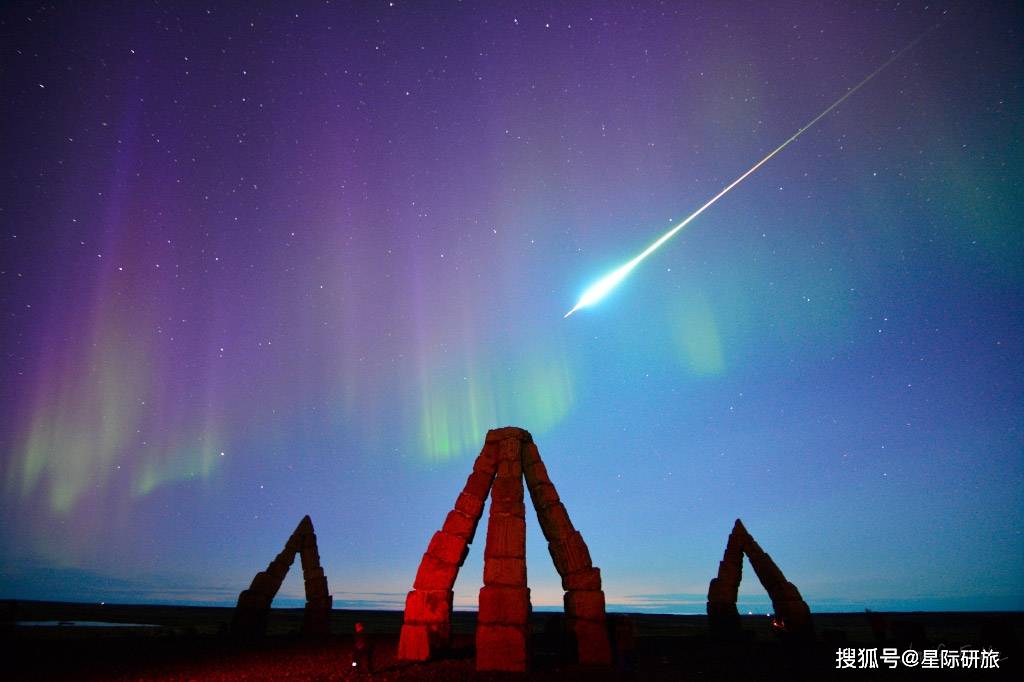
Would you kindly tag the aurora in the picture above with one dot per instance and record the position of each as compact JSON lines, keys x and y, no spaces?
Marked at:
{"x":263,"y":262}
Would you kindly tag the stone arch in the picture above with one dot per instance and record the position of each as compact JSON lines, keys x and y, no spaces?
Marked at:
{"x":508,"y":457}
{"x":723,"y":617}
{"x":253,"y":607}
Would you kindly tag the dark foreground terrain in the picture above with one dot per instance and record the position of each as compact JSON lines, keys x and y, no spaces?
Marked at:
{"x":194,"y":643}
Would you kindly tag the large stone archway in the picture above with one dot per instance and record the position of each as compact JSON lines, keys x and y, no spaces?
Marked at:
{"x":790,"y":608}
{"x":502,"y":636}
{"x":254,"y":603}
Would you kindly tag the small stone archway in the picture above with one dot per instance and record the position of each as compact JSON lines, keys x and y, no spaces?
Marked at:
{"x":723,"y":618}
{"x":253,"y":607}
{"x":502,"y":635}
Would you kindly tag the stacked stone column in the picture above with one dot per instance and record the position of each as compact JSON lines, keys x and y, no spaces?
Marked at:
{"x":502,"y":631}
{"x":253,"y":607}
{"x":584,"y":598}
{"x":427,"y":624}
{"x":786,"y":599}
{"x":317,"y":614}
{"x":723,"y":618}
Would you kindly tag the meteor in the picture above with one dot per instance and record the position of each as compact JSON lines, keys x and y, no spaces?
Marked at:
{"x":602,"y":287}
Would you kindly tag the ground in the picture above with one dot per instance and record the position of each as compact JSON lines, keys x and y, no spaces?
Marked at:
{"x":194,"y":643}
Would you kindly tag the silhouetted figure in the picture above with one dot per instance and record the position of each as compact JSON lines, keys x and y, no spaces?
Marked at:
{"x":362,"y":651}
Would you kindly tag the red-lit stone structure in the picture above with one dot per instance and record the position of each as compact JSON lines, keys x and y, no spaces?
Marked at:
{"x":509,"y":457}
{"x":790,"y":608}
{"x":253,"y":607}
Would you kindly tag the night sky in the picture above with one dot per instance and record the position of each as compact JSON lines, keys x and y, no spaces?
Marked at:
{"x":259,"y":262}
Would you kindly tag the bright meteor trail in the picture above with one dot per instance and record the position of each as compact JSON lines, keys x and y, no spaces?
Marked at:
{"x":601,"y":288}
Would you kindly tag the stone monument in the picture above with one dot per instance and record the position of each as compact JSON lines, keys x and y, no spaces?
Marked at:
{"x":250,"y":619}
{"x":790,"y":608}
{"x":509,"y":457}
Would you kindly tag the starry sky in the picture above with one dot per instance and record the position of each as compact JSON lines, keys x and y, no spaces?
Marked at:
{"x":258,"y":262}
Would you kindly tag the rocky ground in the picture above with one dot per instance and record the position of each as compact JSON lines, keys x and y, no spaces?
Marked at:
{"x":194,"y":644}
